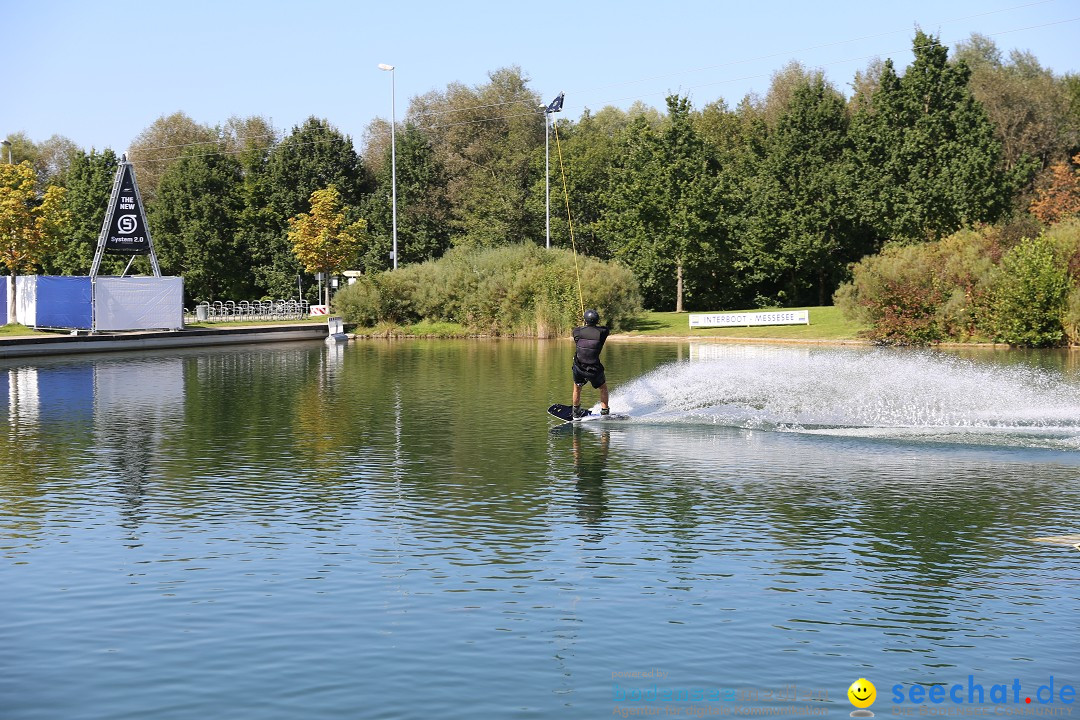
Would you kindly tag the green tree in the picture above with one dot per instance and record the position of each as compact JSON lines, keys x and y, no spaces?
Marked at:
{"x":312,"y":157}
{"x":89,"y":185}
{"x":323,"y":240}
{"x":636,"y":213}
{"x":54,"y":159}
{"x":487,"y":139}
{"x":663,"y":208}
{"x":721,"y":129}
{"x":168,"y":138}
{"x":1027,"y":103}
{"x":1071,"y":81}
{"x":422,"y":205}
{"x":195,"y":223}
{"x":589,"y":150}
{"x":30,"y":223}
{"x":865,"y":84}
{"x":50,"y":158}
{"x":806,"y":219}
{"x":22,"y":149}
{"x":252,"y":140}
{"x":784,"y":84}
{"x":247,"y":136}
{"x":738,"y":140}
{"x":926,"y":159}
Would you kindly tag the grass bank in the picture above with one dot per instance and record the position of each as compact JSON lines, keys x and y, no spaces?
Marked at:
{"x":16,"y":330}
{"x":826,"y":323}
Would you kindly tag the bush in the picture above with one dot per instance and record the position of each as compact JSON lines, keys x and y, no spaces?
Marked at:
{"x":926,"y":293}
{"x":1030,"y":296}
{"x":988,"y":282}
{"x":511,"y":290}
{"x":899,"y":294}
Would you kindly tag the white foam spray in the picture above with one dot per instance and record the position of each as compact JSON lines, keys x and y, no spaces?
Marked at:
{"x":868,"y":392}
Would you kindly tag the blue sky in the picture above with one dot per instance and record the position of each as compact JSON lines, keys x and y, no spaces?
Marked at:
{"x":100,"y":72}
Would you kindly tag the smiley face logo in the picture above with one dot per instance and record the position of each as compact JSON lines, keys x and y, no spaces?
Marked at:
{"x":862,"y":693}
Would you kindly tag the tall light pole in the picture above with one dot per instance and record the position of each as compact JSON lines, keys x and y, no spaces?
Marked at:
{"x":393,"y":151}
{"x":554,"y":107}
{"x":547,"y":178}
{"x":7,"y":146}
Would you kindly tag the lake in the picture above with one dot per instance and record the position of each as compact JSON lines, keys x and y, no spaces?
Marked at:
{"x":396,"y":529}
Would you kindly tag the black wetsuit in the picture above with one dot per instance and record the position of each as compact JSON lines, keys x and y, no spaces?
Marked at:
{"x":587,"y":367}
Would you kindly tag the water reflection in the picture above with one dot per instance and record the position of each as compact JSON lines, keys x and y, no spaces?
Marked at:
{"x":49,"y":394}
{"x":136,"y":408}
{"x":590,"y":466}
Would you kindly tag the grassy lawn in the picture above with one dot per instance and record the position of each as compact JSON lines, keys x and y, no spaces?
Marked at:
{"x":826,"y":323}
{"x":15,"y":330}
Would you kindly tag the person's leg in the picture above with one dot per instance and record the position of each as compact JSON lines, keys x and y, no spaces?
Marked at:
{"x":603,"y":396}
{"x":577,"y":394}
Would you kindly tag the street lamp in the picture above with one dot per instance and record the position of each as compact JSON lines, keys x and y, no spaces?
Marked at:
{"x":393,"y":152}
{"x":7,"y":144}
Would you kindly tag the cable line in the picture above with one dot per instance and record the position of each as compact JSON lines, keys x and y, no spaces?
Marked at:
{"x":569,"y":220}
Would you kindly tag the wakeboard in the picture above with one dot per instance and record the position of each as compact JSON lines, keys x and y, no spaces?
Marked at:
{"x":566,"y":414}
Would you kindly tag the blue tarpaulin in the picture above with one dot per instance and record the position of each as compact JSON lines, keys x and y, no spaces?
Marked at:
{"x":64,"y":302}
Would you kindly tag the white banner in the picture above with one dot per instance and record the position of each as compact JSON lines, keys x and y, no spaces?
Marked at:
{"x":746,"y":319}
{"x":138,"y":303}
{"x":26,"y":300}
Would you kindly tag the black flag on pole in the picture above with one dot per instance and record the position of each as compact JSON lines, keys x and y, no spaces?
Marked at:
{"x":556,"y":105}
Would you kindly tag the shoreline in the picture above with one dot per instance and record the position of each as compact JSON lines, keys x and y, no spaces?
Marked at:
{"x":47,"y":344}
{"x":625,"y":337}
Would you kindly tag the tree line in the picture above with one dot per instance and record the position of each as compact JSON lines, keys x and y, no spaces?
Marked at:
{"x":767,"y":203}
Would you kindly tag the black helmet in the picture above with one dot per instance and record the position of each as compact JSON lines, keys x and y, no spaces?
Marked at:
{"x":591,"y":317}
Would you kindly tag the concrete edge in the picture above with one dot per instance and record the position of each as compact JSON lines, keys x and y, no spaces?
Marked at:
{"x":153,"y":340}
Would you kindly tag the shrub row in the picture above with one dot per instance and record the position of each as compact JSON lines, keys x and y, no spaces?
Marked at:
{"x":511,"y":290}
{"x":1021,"y":288}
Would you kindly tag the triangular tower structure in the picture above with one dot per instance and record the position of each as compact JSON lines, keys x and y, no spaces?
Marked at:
{"x":125,"y":231}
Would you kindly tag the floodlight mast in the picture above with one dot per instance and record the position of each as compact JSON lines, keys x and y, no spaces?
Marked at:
{"x":393,"y":153}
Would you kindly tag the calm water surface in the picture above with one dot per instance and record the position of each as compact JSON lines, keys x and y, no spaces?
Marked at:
{"x":393,"y":530}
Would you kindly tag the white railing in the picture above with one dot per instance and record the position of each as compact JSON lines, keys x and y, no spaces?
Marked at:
{"x":249,"y":310}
